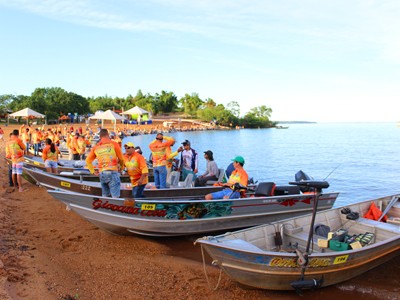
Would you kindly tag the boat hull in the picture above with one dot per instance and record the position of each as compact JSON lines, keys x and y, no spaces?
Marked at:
{"x":174,"y":216}
{"x":72,"y":169}
{"x":241,"y":257}
{"x":56,"y":182}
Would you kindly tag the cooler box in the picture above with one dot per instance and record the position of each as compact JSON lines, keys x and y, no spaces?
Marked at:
{"x":338,"y":246}
{"x":282,"y":190}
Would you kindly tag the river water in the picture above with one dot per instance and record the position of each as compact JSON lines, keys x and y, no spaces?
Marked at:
{"x":359,"y":160}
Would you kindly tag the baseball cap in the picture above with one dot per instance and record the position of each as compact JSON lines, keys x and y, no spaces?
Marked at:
{"x":239,"y":159}
{"x":186,"y":142}
{"x":129,"y":144}
{"x":209,"y":153}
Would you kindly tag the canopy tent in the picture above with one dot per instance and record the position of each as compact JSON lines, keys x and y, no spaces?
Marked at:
{"x":27,"y":113}
{"x":107,"y":115}
{"x":136,"y":112}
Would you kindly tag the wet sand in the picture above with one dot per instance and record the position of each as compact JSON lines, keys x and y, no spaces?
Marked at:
{"x":47,"y":252}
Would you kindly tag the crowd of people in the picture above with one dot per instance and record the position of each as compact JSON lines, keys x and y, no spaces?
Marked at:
{"x":111,"y":161}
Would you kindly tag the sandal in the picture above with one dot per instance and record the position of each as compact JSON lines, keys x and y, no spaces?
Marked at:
{"x":345,"y":211}
{"x":353,"y":215}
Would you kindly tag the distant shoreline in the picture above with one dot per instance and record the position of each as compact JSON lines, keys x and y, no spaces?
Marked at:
{"x":295,"y":122}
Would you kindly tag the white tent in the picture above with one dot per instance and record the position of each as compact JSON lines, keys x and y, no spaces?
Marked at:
{"x":135,"y":111}
{"x":138,"y":112}
{"x":108,"y":115}
{"x":27,"y":113}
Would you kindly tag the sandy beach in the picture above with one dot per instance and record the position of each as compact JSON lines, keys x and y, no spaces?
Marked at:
{"x":47,"y":252}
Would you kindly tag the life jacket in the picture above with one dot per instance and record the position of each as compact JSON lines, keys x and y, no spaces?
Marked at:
{"x":374,"y":213}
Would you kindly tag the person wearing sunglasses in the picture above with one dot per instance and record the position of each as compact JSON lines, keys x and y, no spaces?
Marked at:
{"x":137,"y":169}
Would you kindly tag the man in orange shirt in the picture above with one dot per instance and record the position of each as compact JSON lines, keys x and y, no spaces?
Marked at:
{"x":109,"y":156}
{"x":239,"y":175}
{"x":15,"y":151}
{"x":158,"y":149}
{"x":25,"y":137}
{"x":80,"y":146}
{"x":137,"y":169}
{"x":36,"y":140}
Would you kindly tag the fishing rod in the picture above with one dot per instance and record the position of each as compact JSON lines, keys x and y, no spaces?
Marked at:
{"x":332,"y":171}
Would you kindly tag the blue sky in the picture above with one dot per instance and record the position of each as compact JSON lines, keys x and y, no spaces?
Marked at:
{"x":324,"y":61}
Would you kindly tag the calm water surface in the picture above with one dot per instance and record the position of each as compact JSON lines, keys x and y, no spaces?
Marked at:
{"x":359,"y":160}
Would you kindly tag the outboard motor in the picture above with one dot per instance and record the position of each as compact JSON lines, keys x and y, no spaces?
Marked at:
{"x":301,"y":176}
{"x":300,"y":285}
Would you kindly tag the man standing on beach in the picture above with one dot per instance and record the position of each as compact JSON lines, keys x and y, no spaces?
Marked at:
{"x":25,"y":137}
{"x":109,"y":155}
{"x":158,"y":149}
{"x":36,"y":140}
{"x":15,"y":151}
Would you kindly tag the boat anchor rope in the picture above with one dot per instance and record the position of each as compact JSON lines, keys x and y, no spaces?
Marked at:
{"x":214,"y":263}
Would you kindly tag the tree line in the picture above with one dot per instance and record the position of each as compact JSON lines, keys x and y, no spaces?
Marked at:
{"x":55,"y":102}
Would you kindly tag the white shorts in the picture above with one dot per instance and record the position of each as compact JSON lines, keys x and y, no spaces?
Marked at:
{"x":17,"y":168}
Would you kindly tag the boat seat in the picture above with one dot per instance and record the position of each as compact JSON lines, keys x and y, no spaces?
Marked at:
{"x":81,"y":172}
{"x":175,"y":175}
{"x":264,"y":189}
{"x":220,"y":176}
{"x":188,"y":182}
{"x":65,"y":173}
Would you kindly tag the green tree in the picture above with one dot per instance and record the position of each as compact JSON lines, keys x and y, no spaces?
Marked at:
{"x":146,"y":102}
{"x":191,"y":103}
{"x":54,"y":102}
{"x":166,"y":102}
{"x":258,"y":117}
{"x":234,"y":108}
{"x":5,"y":101}
{"x":218,"y":114}
{"x":210,"y":103}
{"x":101,"y":103}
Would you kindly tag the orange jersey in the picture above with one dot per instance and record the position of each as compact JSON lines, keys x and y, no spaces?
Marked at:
{"x":136,"y":166}
{"x":25,"y":136}
{"x":36,"y":137}
{"x":15,"y":150}
{"x":108,"y":154}
{"x":80,"y":145}
{"x":158,"y":150}
{"x":170,"y":157}
{"x":48,"y":155}
{"x":239,"y":176}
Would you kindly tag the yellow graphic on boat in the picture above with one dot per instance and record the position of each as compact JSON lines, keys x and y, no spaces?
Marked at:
{"x":340,"y":259}
{"x":65,"y":184}
{"x":148,"y":207}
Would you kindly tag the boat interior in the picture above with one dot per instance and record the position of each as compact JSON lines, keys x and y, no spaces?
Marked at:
{"x":292,"y":234}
